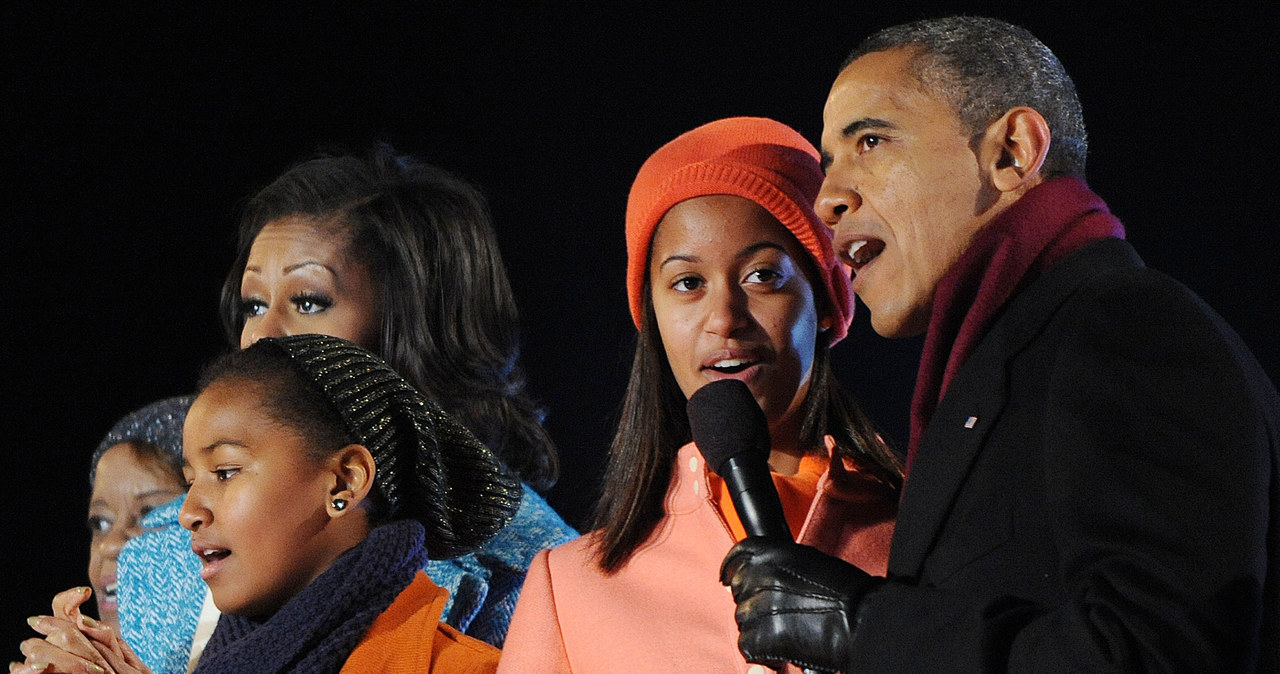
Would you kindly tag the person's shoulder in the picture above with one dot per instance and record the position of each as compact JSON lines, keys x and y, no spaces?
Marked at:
{"x":1149,"y":319}
{"x":539,"y":523}
{"x":572,"y":564}
{"x":1108,"y":281}
{"x":1114,"y":266}
{"x":536,"y":526}
{"x":454,"y":651}
{"x":581,"y":550}
{"x":1125,"y":291}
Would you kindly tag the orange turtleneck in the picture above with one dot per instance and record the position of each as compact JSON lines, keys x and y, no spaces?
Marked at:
{"x":796,"y":492}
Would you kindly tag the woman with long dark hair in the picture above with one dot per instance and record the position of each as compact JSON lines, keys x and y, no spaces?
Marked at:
{"x":730,"y":275}
{"x":441,"y":309}
{"x":401,"y":258}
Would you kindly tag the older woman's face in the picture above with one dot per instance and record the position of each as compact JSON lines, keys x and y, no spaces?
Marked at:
{"x":126,"y":486}
{"x":301,"y":279}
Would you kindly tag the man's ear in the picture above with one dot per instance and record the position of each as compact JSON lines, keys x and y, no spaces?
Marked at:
{"x":1013,"y":149}
{"x":353,"y":471}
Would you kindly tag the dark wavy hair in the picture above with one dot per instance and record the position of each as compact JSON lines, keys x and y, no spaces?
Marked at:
{"x":983,"y":67}
{"x":449,"y":319}
{"x":654,"y":425}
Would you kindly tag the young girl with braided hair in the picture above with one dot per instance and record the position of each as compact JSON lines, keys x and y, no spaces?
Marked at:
{"x":400,"y":257}
{"x":320,"y":484}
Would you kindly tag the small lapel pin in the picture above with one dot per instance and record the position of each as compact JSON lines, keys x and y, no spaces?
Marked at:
{"x":971,"y":422}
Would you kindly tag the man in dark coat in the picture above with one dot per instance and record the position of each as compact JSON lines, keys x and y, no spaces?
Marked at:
{"x":1092,"y":470}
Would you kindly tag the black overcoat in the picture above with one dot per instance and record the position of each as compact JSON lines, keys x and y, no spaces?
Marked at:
{"x":1097,"y":491}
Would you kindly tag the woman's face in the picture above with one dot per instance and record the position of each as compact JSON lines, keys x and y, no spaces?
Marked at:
{"x":126,"y":486}
{"x":733,"y":302}
{"x":256,"y":504}
{"x":301,"y":279}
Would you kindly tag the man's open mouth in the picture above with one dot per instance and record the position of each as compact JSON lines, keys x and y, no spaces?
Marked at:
{"x":863,"y":251}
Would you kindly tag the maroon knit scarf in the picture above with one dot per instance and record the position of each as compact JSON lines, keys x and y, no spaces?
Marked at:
{"x":1052,"y":220}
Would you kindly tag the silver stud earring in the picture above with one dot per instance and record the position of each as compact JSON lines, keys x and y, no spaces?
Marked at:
{"x":339,"y":504}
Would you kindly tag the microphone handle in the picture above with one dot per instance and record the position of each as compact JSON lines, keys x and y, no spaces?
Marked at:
{"x":755,"y":498}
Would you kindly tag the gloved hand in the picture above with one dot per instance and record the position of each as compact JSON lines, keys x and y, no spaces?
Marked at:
{"x":795,"y":604}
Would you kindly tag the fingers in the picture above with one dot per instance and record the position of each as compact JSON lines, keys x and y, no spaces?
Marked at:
{"x":753,"y":650}
{"x":66,"y":604}
{"x":74,"y":632}
{"x":752,"y":567}
{"x":97,"y":632}
{"x":115,"y":653}
{"x":130,"y":660}
{"x":42,"y":656}
{"x":65,"y":647}
{"x":740,"y":556}
{"x":119,"y":655}
{"x":25,"y":668}
{"x":731,"y":566}
{"x":793,"y":603}
{"x":73,"y":642}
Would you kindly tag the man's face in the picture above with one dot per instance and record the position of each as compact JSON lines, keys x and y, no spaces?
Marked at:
{"x":903,"y":188}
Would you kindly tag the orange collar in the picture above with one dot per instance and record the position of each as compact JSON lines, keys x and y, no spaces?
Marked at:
{"x":796,"y":492}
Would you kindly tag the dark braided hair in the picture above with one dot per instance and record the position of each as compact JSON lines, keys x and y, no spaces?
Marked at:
{"x":429,"y":467}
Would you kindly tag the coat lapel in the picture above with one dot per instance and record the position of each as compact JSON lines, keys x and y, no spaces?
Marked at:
{"x":973,"y":403}
{"x":947,"y":451}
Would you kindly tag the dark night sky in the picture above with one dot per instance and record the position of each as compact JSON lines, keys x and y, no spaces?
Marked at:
{"x":133,"y":139}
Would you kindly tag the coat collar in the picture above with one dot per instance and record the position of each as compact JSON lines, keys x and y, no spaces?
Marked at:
{"x":976,"y":398}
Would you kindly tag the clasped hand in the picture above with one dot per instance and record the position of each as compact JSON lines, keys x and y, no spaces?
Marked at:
{"x":74,"y":643}
{"x":795,"y":604}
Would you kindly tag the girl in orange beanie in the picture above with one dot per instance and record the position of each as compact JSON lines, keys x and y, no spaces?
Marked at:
{"x":730,"y":275}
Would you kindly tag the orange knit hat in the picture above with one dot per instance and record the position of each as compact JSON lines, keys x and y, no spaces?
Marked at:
{"x":755,"y":158}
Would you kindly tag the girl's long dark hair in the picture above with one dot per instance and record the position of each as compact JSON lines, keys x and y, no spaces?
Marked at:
{"x":449,"y":320}
{"x":654,"y":425}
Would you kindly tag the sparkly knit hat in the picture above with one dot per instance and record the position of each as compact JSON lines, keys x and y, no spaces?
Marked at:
{"x":159,"y":424}
{"x":751,"y":157}
{"x":429,"y":467}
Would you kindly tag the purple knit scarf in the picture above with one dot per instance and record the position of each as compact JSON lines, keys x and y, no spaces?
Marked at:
{"x":317,"y":629}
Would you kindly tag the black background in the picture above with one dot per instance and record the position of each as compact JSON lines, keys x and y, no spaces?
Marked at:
{"x":132,"y":138}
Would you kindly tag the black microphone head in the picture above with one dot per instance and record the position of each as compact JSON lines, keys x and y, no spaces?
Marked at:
{"x":726,"y":421}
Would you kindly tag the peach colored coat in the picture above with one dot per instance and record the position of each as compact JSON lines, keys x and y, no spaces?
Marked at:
{"x":665,"y":610}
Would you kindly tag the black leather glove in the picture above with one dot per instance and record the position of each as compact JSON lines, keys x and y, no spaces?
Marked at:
{"x":795,"y":604}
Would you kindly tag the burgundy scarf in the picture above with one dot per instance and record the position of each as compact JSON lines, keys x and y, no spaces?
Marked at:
{"x":1052,"y":220}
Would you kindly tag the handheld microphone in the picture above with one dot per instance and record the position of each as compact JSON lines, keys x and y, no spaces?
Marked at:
{"x":733,"y":435}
